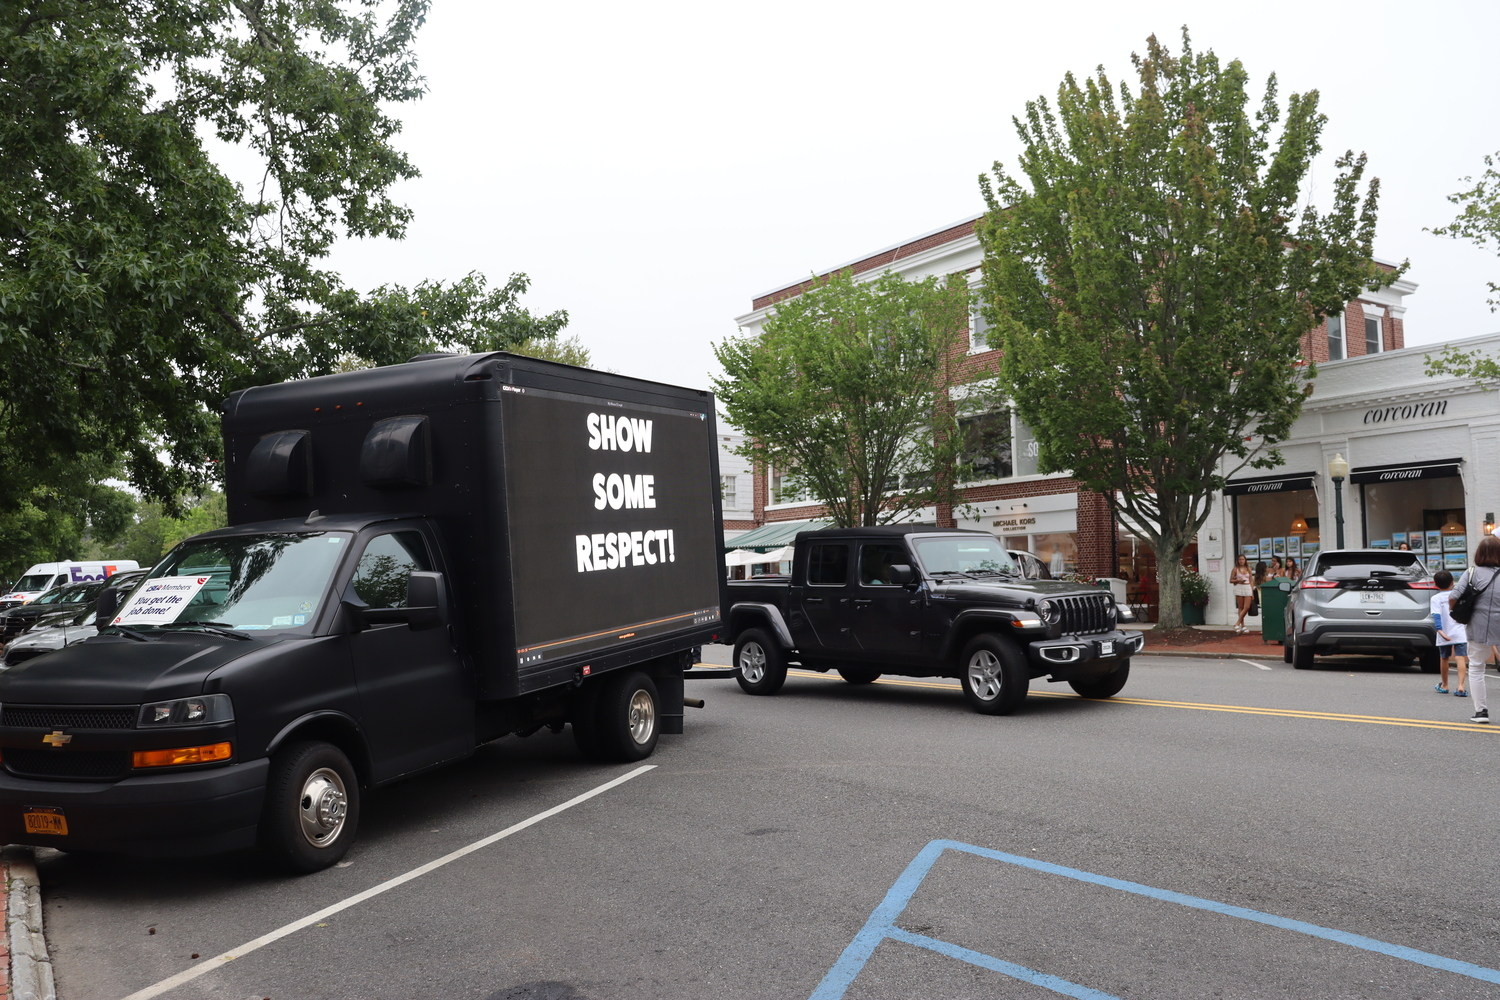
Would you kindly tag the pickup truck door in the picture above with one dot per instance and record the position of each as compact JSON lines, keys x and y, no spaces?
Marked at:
{"x":415,"y":702}
{"x":825,"y":601}
{"x":887,"y":617}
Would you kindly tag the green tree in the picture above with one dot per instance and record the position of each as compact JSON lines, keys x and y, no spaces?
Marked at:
{"x":139,"y":283}
{"x":1480,"y":219}
{"x":1152,"y":278}
{"x":844,"y":393}
{"x":569,"y":352}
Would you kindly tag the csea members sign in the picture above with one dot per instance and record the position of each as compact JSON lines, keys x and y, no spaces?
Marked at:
{"x":620,"y":519}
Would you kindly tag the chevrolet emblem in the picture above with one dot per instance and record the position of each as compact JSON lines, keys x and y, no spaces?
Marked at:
{"x":57,"y":738}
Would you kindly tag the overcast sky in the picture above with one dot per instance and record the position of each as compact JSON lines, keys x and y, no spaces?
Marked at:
{"x":653,"y":166}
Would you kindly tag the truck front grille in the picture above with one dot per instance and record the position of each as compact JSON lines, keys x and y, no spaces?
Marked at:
{"x":69,"y":716}
{"x":1082,"y":615}
{"x":78,"y":764}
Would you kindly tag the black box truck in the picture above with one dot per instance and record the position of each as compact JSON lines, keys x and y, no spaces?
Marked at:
{"x":421,"y":558}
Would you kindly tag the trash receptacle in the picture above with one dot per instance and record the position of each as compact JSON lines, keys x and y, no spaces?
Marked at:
{"x":1273,"y":596}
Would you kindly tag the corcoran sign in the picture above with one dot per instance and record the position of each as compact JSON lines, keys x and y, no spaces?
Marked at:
{"x":1386,"y":414}
{"x":1295,"y":481}
{"x":1404,"y":473}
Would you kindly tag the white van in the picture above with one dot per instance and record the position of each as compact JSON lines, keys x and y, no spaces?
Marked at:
{"x":44,"y":576}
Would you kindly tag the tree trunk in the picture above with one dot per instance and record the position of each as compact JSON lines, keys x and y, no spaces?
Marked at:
{"x":1169,"y":581}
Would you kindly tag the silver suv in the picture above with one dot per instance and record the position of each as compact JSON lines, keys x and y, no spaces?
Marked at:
{"x":1372,"y":601}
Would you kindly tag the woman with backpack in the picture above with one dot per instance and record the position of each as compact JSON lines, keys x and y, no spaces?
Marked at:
{"x":1475,"y":602}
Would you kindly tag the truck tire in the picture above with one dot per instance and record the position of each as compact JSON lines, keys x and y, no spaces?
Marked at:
{"x":761,"y":662}
{"x":311,"y":812}
{"x":859,"y":675}
{"x":1104,"y":686}
{"x":994,"y":676}
{"x":627,"y":718}
{"x":1302,"y":657}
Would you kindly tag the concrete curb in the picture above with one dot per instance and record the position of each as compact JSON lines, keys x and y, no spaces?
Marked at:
{"x":1204,"y":654}
{"x":30,"y":964}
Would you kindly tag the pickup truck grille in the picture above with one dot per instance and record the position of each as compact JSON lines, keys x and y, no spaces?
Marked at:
{"x":69,"y":716}
{"x":1082,"y":615}
{"x":79,"y":764}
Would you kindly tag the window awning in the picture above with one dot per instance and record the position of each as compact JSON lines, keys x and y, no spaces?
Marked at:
{"x":775,"y":535}
{"x":1283,"y":483}
{"x":1440,"y":469}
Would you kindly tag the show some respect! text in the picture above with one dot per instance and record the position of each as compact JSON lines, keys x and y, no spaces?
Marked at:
{"x":619,"y":549}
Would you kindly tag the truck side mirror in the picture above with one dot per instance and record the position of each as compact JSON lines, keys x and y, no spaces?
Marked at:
{"x":901,"y":574}
{"x":426,"y":601}
{"x":106,"y":606}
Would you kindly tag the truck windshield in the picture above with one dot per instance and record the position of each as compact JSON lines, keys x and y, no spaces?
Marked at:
{"x":981,"y":554}
{"x":31,"y":584}
{"x":256,"y":581}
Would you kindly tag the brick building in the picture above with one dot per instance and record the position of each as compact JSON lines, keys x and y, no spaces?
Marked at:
{"x":1068,"y":528}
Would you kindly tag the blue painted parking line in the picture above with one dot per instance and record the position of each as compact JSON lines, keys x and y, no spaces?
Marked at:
{"x":882,"y":926}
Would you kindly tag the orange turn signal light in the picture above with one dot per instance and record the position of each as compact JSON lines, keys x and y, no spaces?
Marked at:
{"x":182,"y":755}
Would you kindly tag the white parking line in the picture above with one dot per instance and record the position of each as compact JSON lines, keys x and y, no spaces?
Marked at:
{"x":218,"y":961}
{"x":1253,"y":663}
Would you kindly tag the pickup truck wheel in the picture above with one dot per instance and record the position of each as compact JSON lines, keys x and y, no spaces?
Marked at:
{"x":994,"y":675}
{"x":859,"y":675}
{"x":628,"y":717}
{"x":761,"y":662}
{"x":1105,"y":686}
{"x":312,"y":807}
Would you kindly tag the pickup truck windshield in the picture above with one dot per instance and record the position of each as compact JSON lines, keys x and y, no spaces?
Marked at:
{"x":257,"y":581}
{"x":964,"y":554}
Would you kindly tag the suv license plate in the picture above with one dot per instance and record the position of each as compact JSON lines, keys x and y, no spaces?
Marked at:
{"x":1377,"y":597}
{"x":1106,"y":649}
{"x":45,"y":819}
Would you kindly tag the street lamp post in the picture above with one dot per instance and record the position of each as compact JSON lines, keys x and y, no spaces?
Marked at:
{"x":1338,"y":471}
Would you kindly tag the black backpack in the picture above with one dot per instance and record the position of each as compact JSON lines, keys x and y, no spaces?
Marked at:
{"x":1463,"y":608}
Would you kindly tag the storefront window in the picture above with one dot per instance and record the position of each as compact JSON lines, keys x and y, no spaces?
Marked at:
{"x":1057,"y":550}
{"x":987,"y":451}
{"x":1136,"y":565}
{"x":1028,"y":452}
{"x":1426,"y":515}
{"x":1271,"y":525}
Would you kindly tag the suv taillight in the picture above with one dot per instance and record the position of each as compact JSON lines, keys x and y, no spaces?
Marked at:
{"x":1318,"y":583}
{"x":1422,"y":585}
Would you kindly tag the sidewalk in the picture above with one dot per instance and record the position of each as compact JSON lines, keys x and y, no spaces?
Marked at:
{"x":1218,"y":641}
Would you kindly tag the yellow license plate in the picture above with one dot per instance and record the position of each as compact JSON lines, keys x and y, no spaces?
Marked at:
{"x":45,"y":820}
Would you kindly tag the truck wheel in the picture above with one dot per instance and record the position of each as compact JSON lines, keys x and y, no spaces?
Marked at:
{"x":1302,"y":657}
{"x":1105,"y":686}
{"x":994,"y":675}
{"x":1286,"y":650}
{"x":628,"y":717}
{"x":761,"y":662}
{"x":312,"y":807}
{"x":859,"y":675}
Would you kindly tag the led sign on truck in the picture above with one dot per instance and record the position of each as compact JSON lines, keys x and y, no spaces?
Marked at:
{"x":611,"y":521}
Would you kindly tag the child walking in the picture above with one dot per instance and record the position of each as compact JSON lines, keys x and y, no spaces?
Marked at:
{"x":1453,"y":638}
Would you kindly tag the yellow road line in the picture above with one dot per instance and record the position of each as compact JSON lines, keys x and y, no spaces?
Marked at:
{"x":1285,"y":713}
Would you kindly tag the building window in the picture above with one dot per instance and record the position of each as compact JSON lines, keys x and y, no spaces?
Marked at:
{"x":1372,"y":334}
{"x":727,"y":495}
{"x":987,"y":446}
{"x":979,"y":331}
{"x":1336,"y":338}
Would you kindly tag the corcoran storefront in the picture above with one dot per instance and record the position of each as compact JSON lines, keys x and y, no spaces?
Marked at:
{"x":1419,"y":460}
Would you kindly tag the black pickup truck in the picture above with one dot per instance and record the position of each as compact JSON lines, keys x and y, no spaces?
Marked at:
{"x":927,"y":602}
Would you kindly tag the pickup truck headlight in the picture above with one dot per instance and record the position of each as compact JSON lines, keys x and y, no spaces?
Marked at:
{"x":200,"y":711}
{"x":1048,"y":611}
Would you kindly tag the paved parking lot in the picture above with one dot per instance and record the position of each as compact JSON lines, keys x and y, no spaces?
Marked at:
{"x":749,"y":860}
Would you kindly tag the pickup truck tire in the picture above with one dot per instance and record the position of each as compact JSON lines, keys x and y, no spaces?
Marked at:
{"x":1104,"y":686}
{"x":761,"y":662}
{"x":994,"y":675}
{"x":859,"y":675}
{"x":312,"y":807}
{"x":628,"y":716}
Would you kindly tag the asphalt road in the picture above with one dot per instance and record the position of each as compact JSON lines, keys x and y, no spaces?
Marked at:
{"x":757,"y":849}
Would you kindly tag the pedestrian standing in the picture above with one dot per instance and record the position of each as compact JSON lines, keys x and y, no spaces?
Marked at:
{"x":1484,"y":626}
{"x":1453,"y":637}
{"x":1239,"y":581}
{"x":1278,"y":571}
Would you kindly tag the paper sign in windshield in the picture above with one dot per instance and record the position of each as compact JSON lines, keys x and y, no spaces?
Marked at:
{"x":161,"y":600}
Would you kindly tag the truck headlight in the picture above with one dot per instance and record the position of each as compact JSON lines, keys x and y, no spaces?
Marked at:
{"x":1048,"y":611}
{"x":199,"y":711}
